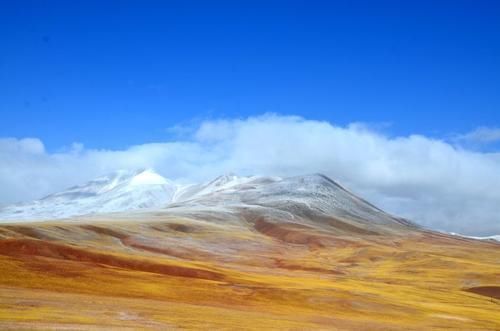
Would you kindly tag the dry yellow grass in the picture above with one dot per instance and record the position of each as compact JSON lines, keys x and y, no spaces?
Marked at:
{"x":189,"y":274}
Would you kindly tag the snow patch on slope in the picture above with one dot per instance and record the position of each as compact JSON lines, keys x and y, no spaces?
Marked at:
{"x":495,"y":237}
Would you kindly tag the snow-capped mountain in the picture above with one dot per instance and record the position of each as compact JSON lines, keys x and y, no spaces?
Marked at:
{"x":299,"y":199}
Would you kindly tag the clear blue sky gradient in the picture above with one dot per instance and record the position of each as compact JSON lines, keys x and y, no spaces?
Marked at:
{"x":114,"y":73}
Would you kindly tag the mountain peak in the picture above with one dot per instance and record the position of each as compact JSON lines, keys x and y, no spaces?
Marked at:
{"x":148,"y":177}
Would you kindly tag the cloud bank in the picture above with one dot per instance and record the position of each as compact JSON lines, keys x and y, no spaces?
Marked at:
{"x":433,"y":182}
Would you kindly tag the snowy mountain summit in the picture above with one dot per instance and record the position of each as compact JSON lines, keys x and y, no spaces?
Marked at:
{"x":119,"y":191}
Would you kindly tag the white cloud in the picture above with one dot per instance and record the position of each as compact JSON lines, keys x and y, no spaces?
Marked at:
{"x":481,"y":135}
{"x":427,"y":180}
{"x":26,"y":145}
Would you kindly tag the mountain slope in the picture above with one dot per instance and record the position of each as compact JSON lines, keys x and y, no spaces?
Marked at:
{"x":312,"y":200}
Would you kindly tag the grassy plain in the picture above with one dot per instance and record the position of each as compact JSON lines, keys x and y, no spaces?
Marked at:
{"x":175,"y":274}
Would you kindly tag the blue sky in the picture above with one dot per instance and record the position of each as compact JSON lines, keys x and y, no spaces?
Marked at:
{"x":117,"y":73}
{"x":250,"y":87}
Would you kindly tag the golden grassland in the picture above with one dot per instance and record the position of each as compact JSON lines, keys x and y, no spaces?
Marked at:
{"x":189,"y":274}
